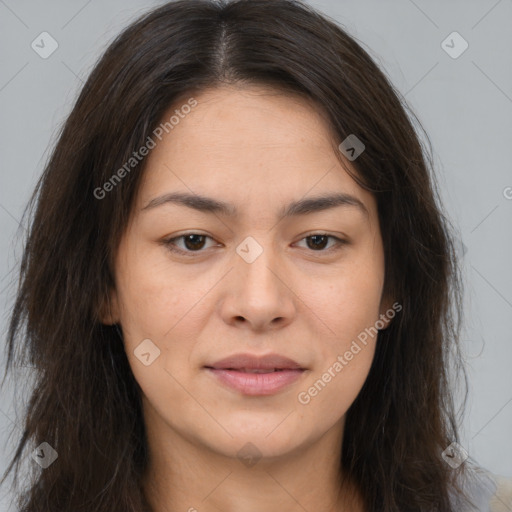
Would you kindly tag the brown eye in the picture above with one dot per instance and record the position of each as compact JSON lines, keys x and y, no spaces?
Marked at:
{"x":193,"y":242}
{"x":318,"y":242}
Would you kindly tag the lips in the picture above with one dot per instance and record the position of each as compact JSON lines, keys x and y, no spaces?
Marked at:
{"x":253,"y":370}
{"x":256,"y":364}
{"x":256,"y":375}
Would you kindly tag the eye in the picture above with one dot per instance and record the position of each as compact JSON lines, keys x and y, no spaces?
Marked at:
{"x":319,"y":241}
{"x":194,"y":242}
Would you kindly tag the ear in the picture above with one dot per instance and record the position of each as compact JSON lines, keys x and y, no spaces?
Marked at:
{"x":109,"y":308}
{"x":387,"y":311}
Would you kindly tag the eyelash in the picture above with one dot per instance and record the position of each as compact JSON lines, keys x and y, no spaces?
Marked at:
{"x":169,"y":243}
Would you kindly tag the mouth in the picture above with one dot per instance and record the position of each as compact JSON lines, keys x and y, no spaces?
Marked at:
{"x":255,"y":375}
{"x":250,"y":370}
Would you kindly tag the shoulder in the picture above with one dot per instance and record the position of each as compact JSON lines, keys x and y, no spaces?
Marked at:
{"x":501,"y":501}
{"x":487,"y":491}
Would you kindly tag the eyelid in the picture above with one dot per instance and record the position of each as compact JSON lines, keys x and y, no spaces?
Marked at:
{"x":168,"y":243}
{"x":339,"y":242}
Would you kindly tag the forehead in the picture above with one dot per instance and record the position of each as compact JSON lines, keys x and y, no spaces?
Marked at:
{"x":252,"y":142}
{"x":252,"y":116}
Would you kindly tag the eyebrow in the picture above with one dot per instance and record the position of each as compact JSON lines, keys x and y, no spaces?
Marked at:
{"x":301,"y":207}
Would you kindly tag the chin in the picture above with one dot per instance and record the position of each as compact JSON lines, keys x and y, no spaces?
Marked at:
{"x":256,"y":444}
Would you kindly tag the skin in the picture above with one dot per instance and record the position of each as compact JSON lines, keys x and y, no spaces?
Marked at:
{"x":259,"y":150}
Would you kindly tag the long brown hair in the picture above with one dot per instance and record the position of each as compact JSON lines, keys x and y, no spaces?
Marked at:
{"x":85,"y":402}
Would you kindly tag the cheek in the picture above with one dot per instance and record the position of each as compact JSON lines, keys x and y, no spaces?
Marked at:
{"x":151,"y":299}
{"x":348,"y":310}
{"x":348,"y":303}
{"x":157,"y":308}
{"x":328,"y":395}
{"x":166,"y":308}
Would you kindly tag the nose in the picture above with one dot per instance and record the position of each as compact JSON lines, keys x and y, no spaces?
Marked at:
{"x":258,"y":294}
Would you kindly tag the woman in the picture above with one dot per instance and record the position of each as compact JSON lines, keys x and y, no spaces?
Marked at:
{"x":239,"y":289}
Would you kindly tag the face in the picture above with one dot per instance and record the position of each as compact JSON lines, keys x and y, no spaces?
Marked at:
{"x":196,"y":284}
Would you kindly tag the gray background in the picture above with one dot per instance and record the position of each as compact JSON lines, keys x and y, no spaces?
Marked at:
{"x":464,"y":103}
